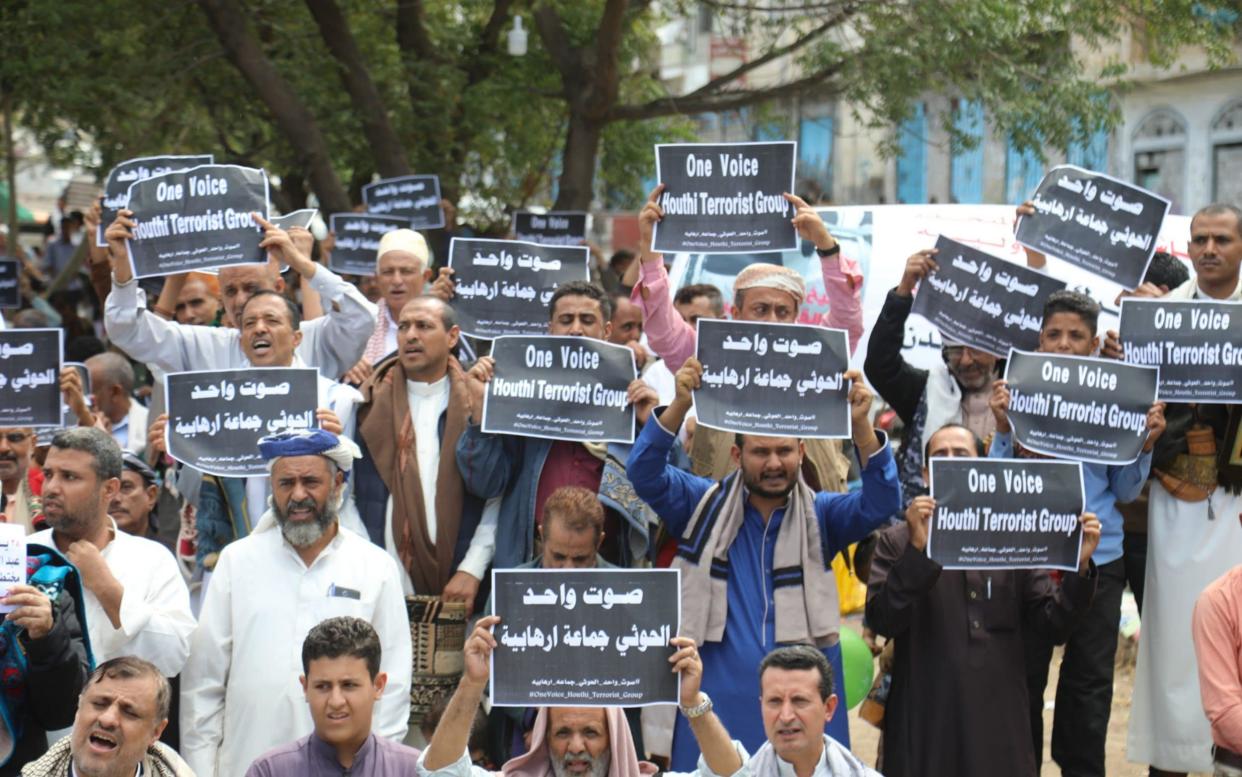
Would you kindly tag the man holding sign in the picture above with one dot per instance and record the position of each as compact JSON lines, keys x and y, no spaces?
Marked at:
{"x":960,"y":638}
{"x":772,"y":536}
{"x":1084,"y":690}
{"x":527,"y":470}
{"x":572,"y":741}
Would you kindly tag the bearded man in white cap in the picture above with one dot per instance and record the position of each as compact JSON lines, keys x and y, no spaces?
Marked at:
{"x":240,"y":691}
{"x":400,"y":272}
{"x":761,"y":292}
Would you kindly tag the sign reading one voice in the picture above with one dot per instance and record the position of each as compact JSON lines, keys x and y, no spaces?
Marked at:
{"x":585,"y":637}
{"x":416,"y":198}
{"x":564,"y":228}
{"x":116,"y":186}
{"x":773,"y":379}
{"x":1103,"y":225}
{"x":10,"y":294}
{"x":984,"y":302}
{"x":357,"y":240}
{"x":216,"y":417}
{"x":196,"y":219}
{"x":1080,"y":408}
{"x":560,"y":388}
{"x":503,"y":287}
{"x":30,"y":377}
{"x":1005,"y":514}
{"x":1196,"y":344}
{"x":725,"y":198}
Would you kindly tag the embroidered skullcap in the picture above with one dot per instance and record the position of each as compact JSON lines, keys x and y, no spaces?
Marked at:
{"x":403,"y":240}
{"x":771,"y":276}
{"x":310,"y":442}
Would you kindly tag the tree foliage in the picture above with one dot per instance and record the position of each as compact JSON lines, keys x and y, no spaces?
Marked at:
{"x":328,"y":93}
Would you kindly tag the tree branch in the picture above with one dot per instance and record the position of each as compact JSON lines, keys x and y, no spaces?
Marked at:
{"x":372,"y":113}
{"x":556,"y":41}
{"x":481,"y":66}
{"x":295,"y":121}
{"x":819,"y":82}
{"x":412,"y":34}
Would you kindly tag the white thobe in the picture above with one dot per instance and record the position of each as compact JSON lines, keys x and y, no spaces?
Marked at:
{"x":156,"y":622}
{"x":240,"y":694}
{"x":332,"y":343}
{"x":428,"y":402}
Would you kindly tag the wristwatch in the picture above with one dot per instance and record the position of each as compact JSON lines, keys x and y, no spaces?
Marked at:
{"x":824,"y":253}
{"x":700,"y":709}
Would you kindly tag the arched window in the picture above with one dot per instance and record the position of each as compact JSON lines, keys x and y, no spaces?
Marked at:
{"x":1227,"y":154}
{"x":1160,"y":156}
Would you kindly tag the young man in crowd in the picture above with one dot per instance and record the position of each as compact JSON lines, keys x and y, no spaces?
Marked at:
{"x":959,"y":642}
{"x":112,"y":385}
{"x":1085,"y":685}
{"x":776,"y":538}
{"x":1217,"y":633}
{"x":342,"y":682}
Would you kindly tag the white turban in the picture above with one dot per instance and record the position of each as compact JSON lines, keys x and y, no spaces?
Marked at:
{"x":404,"y":240}
{"x":771,"y":276}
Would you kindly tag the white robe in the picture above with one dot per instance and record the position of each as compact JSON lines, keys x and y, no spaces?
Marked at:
{"x":240,"y":693}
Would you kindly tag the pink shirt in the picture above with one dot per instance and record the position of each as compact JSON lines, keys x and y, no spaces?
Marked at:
{"x":1217,"y":628}
{"x":674,"y":340}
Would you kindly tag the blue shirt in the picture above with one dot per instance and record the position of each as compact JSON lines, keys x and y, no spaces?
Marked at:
{"x":731,"y":666}
{"x":1104,"y":485}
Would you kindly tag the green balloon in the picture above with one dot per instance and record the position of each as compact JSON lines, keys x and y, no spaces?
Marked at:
{"x":859,"y":667}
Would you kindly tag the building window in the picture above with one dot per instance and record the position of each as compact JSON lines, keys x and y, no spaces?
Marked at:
{"x":1023,"y":172}
{"x":815,"y":157}
{"x":1227,"y":155}
{"x":966,"y":168}
{"x":912,"y":157}
{"x":1160,"y":156}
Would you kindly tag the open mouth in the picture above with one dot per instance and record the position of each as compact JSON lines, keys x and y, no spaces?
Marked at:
{"x":101,"y":742}
{"x":261,"y":345}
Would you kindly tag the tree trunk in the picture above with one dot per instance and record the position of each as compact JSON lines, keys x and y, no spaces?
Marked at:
{"x":226,"y":18}
{"x":574,"y":190}
{"x":386,"y":148}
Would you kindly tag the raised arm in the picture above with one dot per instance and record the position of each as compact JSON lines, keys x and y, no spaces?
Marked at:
{"x":667,"y":333}
{"x":897,"y":381}
{"x":842,"y":276}
{"x":901,"y":572}
{"x":452,"y":735}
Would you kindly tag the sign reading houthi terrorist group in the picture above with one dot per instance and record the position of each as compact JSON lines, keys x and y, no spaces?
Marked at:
{"x":416,"y":198}
{"x":585,"y":637}
{"x":1197,"y":344}
{"x":1076,"y":407}
{"x":503,"y":287}
{"x":10,"y":293}
{"x":558,"y":228}
{"x":216,"y":417}
{"x":984,"y":302}
{"x":357,"y":238}
{"x":726,"y":198}
{"x":30,"y":377}
{"x":1005,"y":513}
{"x":1103,"y":225}
{"x":116,"y":185}
{"x":773,"y":379}
{"x":197,"y":219}
{"x":560,"y":388}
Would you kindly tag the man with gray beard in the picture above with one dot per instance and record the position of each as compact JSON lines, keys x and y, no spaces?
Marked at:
{"x":240,"y":691}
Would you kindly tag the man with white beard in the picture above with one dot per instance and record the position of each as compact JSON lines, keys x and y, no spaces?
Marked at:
{"x":240,"y":691}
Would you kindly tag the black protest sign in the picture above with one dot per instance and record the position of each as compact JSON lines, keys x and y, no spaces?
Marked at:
{"x":585,"y":637}
{"x":773,"y":379}
{"x":415,"y":197}
{"x":1196,"y":344}
{"x":1103,"y":225}
{"x":984,"y":302}
{"x":1006,"y":513}
{"x":560,"y":388}
{"x":116,"y":185}
{"x":1077,"y":407}
{"x":10,"y":293}
{"x":726,"y":198}
{"x":558,"y":228}
{"x":502,"y":287}
{"x":68,"y":419}
{"x":197,"y":219}
{"x":298,"y":218}
{"x":216,"y":417}
{"x":357,"y":238}
{"x":30,"y":377}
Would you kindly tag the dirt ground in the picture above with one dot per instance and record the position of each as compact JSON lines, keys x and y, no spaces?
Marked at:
{"x":865,"y":738}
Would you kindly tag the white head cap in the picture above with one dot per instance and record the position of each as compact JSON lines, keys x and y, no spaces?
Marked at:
{"x":404,"y":240}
